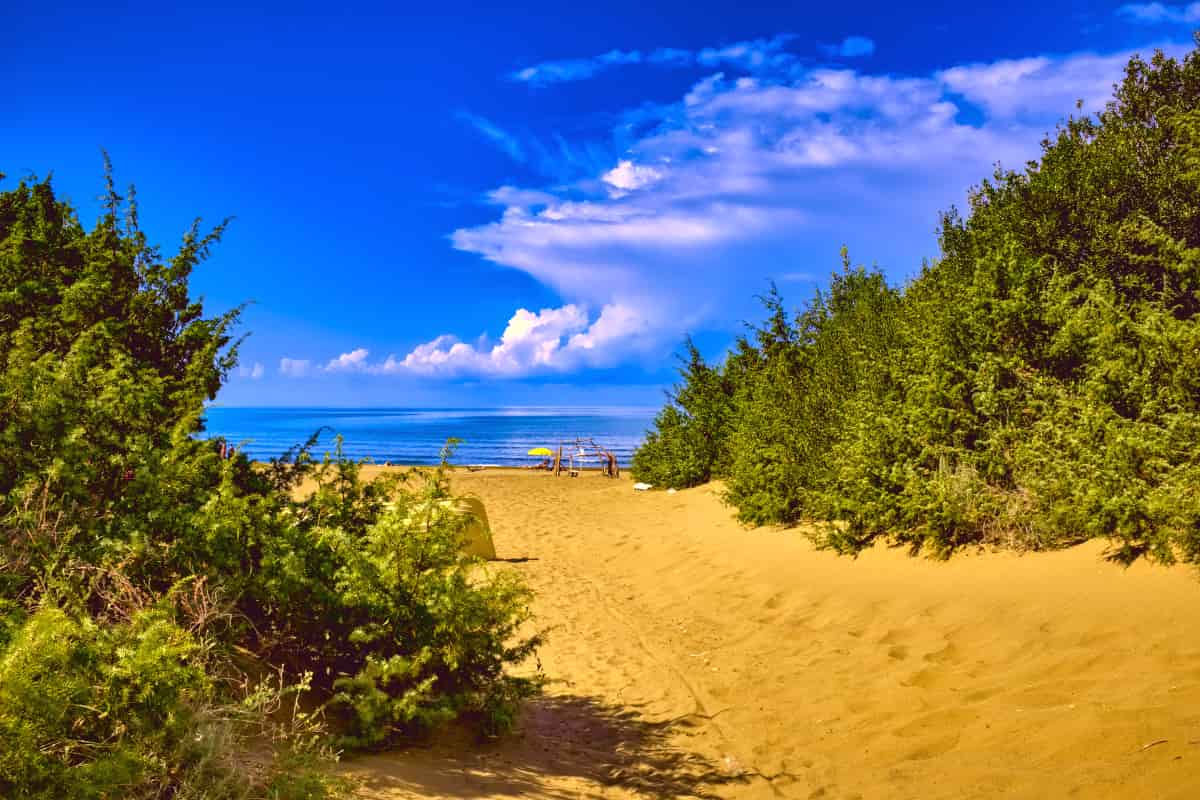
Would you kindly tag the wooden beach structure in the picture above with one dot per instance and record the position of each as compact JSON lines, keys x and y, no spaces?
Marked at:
{"x":576,"y":454}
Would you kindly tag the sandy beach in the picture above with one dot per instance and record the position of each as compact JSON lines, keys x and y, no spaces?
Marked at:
{"x":689,"y":656}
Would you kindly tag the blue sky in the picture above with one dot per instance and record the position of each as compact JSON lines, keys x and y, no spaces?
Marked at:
{"x":456,"y":205}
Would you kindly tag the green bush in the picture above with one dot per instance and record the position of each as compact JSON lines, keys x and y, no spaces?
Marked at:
{"x":689,"y":441}
{"x":379,"y":602}
{"x":96,"y":711}
{"x":182,"y":575}
{"x":127,"y":710}
{"x":792,"y":410}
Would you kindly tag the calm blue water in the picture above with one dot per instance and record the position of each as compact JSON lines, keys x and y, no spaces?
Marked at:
{"x":414,"y":435}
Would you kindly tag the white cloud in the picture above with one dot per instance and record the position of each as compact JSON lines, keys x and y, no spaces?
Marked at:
{"x":757,"y":56}
{"x":617,"y":328}
{"x":1151,"y":13}
{"x":294,"y":367}
{"x":547,"y":341}
{"x":627,"y":176}
{"x":1035,"y":85}
{"x":753,"y":55}
{"x":553,"y":340}
{"x":531,"y":342}
{"x":349,"y":362}
{"x":574,"y":69}
{"x":252,"y":372}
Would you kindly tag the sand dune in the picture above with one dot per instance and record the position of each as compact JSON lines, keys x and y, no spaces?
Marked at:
{"x":692,"y":657}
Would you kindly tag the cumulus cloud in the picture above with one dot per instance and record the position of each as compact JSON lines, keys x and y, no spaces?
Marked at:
{"x":294,"y":367}
{"x":547,"y":341}
{"x":627,"y":176}
{"x":1153,"y":13}
{"x":349,"y":362}
{"x":253,"y":372}
{"x":496,"y":135}
{"x":551,"y":340}
{"x":531,"y":341}
{"x":850,"y":47}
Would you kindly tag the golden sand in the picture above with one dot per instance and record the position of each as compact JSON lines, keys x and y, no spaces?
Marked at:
{"x":692,"y":657}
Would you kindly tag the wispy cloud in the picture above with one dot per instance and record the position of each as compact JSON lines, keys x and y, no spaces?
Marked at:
{"x":753,"y":55}
{"x":495,"y":134}
{"x":574,"y":69}
{"x":1154,"y":13}
{"x":850,"y":47}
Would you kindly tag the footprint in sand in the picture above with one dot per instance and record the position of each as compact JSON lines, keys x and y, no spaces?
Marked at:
{"x":940,"y":732}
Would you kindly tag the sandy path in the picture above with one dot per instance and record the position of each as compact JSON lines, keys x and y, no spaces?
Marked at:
{"x":692,"y":657}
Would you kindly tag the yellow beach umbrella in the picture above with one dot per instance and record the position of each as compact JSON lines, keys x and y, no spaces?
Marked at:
{"x":541,"y":451}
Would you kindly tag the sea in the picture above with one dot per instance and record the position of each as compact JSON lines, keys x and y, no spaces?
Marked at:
{"x":491,"y":436}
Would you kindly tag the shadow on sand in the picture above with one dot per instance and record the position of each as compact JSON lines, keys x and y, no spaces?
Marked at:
{"x":567,"y":746}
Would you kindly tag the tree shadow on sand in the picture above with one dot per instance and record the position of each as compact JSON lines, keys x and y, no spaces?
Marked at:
{"x":566,"y":746}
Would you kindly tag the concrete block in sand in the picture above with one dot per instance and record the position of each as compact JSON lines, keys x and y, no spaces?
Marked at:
{"x":478,"y":534}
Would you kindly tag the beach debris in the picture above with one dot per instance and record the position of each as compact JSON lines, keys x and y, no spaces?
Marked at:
{"x":672,"y":491}
{"x":641,"y":487}
{"x":1148,"y":745}
{"x":580,"y":451}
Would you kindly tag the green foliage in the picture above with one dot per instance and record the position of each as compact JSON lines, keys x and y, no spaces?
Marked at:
{"x":106,"y":364}
{"x":380,"y":603}
{"x":127,"y":710}
{"x":90,"y":711}
{"x":155,"y":577}
{"x":793,"y":406}
{"x":689,"y":442}
{"x":1036,"y":386}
